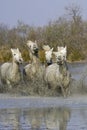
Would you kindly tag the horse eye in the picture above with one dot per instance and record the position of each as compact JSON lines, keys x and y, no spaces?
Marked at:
{"x":14,"y":54}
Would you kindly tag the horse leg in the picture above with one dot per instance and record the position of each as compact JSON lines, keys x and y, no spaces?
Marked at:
{"x":9,"y":84}
{"x":63,"y":91}
{"x":68,"y":90}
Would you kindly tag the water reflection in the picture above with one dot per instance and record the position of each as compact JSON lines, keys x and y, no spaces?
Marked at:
{"x":56,"y":119}
{"x":34,"y":119}
{"x":78,"y":120}
{"x":9,"y":119}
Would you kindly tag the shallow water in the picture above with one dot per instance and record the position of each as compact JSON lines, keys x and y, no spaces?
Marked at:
{"x":59,"y":118}
{"x":77,"y":69}
{"x":41,"y":113}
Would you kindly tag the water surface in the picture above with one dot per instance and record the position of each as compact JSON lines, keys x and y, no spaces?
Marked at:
{"x":59,"y":118}
{"x":43,"y":113}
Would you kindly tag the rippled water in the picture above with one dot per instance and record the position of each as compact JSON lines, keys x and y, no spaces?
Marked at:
{"x":60,"y":118}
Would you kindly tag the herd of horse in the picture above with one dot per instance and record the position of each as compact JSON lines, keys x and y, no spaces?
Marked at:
{"x":55,"y":74}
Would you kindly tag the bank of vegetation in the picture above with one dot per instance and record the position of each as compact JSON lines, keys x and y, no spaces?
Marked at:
{"x":69,"y":29}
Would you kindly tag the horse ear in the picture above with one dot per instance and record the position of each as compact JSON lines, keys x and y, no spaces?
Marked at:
{"x":51,"y":49}
{"x":35,"y":41}
{"x":43,"y":47}
{"x":55,"y":53}
{"x":46,"y":47}
{"x":58,"y":48}
{"x":12,"y":50}
{"x":18,"y":49}
{"x":65,"y":47}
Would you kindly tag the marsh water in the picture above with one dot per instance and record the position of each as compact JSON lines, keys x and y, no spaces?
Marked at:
{"x":45,"y":113}
{"x":52,"y":118}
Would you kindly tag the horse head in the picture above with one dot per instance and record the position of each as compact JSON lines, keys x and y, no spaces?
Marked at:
{"x":60,"y":58}
{"x":33,"y":47}
{"x":63,"y":51}
{"x":48,"y":54}
{"x":17,"y":57}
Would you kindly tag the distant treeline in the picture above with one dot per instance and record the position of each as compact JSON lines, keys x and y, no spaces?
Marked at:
{"x":69,"y":30}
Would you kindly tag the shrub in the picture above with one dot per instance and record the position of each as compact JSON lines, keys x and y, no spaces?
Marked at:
{"x":42,"y":56}
{"x":76,"y":55}
{"x":5,"y":54}
{"x":25,"y":55}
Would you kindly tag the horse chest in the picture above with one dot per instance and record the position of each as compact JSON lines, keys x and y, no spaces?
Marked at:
{"x":15,"y":77}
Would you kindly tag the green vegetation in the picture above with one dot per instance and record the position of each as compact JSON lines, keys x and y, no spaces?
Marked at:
{"x":69,"y":30}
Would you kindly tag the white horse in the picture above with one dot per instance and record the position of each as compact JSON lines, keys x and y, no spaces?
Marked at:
{"x":10,"y":72}
{"x":63,"y":50}
{"x":57,"y":74}
{"x":35,"y":68}
{"x":48,"y":54}
{"x":33,"y":50}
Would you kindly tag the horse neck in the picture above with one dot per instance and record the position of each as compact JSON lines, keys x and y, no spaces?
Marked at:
{"x":49,"y":63}
{"x":35,"y":59}
{"x":15,"y":67}
{"x":31,"y":55}
{"x":63,"y":67}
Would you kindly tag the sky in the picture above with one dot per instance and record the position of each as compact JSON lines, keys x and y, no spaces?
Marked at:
{"x":36,"y":12}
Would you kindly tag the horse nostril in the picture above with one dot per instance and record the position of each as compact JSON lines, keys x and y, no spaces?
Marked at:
{"x":20,"y":60}
{"x":59,"y":58}
{"x":36,"y":50}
